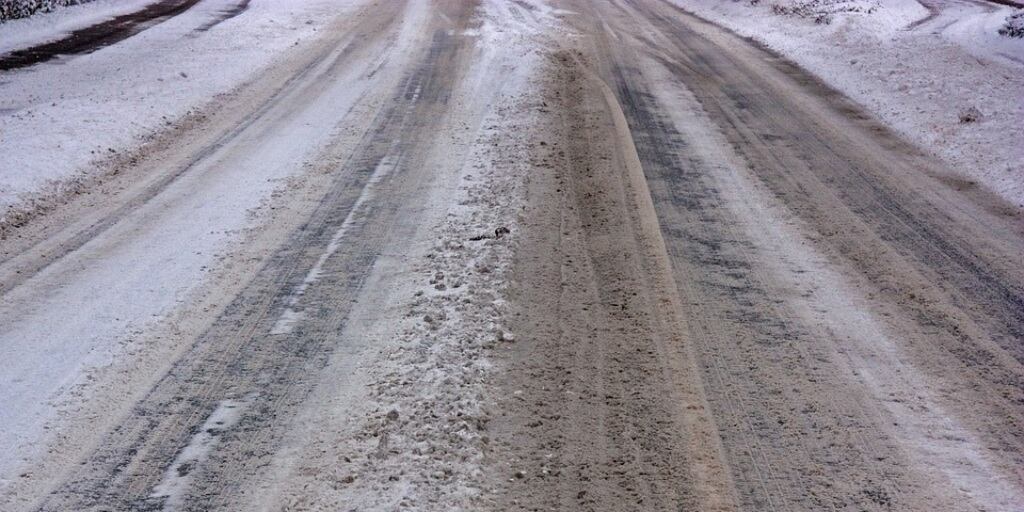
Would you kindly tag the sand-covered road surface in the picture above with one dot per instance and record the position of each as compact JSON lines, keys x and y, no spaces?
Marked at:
{"x":514,"y":255}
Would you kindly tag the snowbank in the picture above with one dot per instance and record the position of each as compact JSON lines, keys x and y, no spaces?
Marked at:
{"x":1014,"y":26}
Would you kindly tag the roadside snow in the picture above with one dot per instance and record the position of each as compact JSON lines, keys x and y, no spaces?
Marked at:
{"x":1014,"y":26}
{"x":976,"y":29}
{"x":917,"y":66}
{"x":14,"y":9}
{"x":822,"y":11}
{"x":59,"y":120}
{"x":147,"y":266}
{"x":415,"y":435}
{"x":44,"y":27}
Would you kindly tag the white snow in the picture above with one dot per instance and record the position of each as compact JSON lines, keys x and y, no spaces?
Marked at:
{"x":916,"y":65}
{"x":400,"y":424}
{"x":143,"y":267}
{"x":44,"y":27}
{"x":57,"y":119}
{"x":977,"y":31}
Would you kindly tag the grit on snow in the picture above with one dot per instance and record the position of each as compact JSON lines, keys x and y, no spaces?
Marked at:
{"x":164,"y":77}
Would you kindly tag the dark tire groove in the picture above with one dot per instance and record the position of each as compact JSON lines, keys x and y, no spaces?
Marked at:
{"x":92,"y":38}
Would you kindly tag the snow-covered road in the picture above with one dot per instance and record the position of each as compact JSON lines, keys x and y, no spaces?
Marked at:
{"x":512,"y":255}
{"x":221,"y":259}
{"x":67,"y":122}
{"x":917,"y":66}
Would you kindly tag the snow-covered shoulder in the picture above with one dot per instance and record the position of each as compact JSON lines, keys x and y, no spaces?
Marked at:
{"x":44,"y":27}
{"x":60,"y":120}
{"x":937,"y":71}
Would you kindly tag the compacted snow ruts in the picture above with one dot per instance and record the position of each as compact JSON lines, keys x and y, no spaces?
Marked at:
{"x":811,"y":417}
{"x":498,"y":255}
{"x":916,"y":65}
{"x":100,"y":107}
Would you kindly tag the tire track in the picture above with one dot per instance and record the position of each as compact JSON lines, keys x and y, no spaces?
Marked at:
{"x":946,"y":273}
{"x":325,"y":61}
{"x":731,"y":304}
{"x":90,"y":39}
{"x":240,"y":357}
{"x":797,"y":436}
{"x":799,"y":156}
{"x":601,"y":408}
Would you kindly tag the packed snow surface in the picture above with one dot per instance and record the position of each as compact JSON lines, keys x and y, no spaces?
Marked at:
{"x":60,"y":119}
{"x":17,"y":9}
{"x":918,"y":66}
{"x":48,"y":26}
